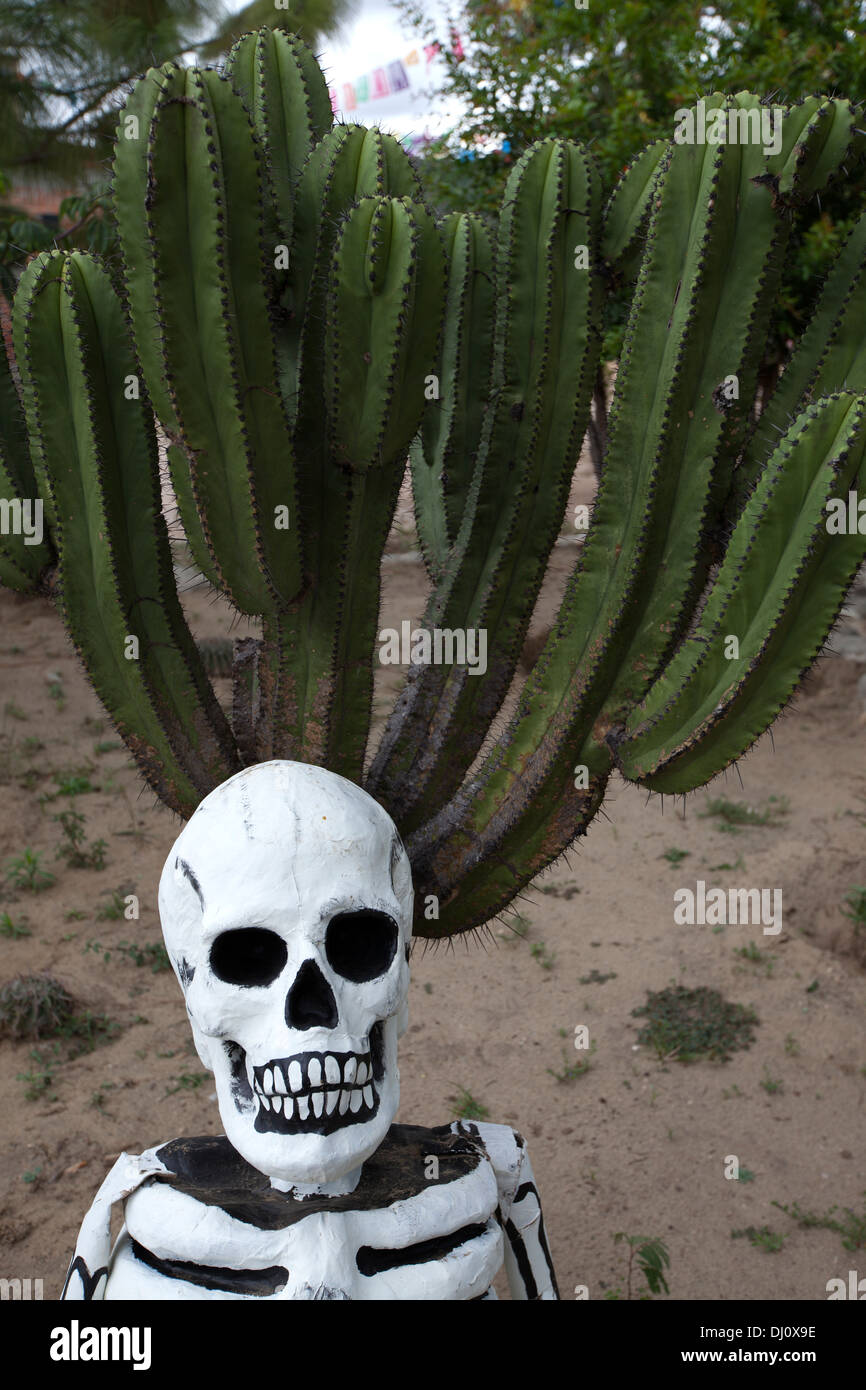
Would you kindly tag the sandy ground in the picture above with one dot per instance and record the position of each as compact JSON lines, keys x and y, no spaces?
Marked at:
{"x":637,"y":1143}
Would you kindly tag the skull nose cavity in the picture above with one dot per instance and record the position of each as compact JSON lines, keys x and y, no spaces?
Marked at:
{"x":311,"y":1002}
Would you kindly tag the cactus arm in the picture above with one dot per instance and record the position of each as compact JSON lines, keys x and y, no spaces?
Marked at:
{"x":130,"y":175}
{"x":820,"y":137}
{"x":204,"y":175}
{"x":22,"y":563}
{"x":830,"y":355}
{"x":286,"y":94}
{"x":349,"y":163}
{"x":547,"y":339}
{"x":429,"y":506}
{"x":778,"y":592}
{"x":628,"y":208}
{"x":382,"y":320}
{"x":130,"y":197}
{"x":115,"y":572}
{"x":40,"y":359}
{"x":444,"y":458}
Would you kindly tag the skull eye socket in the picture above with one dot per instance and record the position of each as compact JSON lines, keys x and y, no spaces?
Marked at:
{"x":361,"y":945}
{"x":248,"y":956}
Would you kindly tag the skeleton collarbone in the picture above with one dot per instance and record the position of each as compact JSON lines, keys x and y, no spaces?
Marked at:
{"x":423,"y":1222}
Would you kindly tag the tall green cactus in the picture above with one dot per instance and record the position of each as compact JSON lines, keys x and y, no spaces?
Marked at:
{"x":297,"y":326}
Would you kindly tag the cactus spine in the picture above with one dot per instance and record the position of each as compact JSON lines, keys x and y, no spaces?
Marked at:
{"x":295,"y":324}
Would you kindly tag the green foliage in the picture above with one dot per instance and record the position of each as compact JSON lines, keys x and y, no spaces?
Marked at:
{"x":188,"y":1081}
{"x":12,"y":930}
{"x":732,"y":816}
{"x":855,"y":908}
{"x":466,"y":1107}
{"x":25,"y":871}
{"x":604,"y":76}
{"x":762,"y":1238}
{"x":151,"y":953}
{"x":72,"y":847}
{"x":595,"y":977}
{"x":572,"y":1069}
{"x":652,"y":1259}
{"x":851,"y":1226}
{"x":690,"y":1024}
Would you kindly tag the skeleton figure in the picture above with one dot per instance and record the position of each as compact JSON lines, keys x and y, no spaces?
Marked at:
{"x":286,"y":905}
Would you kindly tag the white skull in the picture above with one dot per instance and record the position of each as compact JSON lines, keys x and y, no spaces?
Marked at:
{"x":286,"y":906}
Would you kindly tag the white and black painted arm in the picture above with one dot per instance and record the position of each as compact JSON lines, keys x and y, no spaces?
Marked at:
{"x":88,"y":1272}
{"x":528,"y":1264}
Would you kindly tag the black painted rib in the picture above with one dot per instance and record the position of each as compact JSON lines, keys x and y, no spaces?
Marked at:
{"x":260,"y":1282}
{"x":88,"y":1280}
{"x":515,"y":1240}
{"x":522,"y":1191}
{"x":371,"y":1260}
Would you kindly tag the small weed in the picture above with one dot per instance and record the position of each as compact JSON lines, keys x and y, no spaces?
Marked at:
{"x":756,"y":956}
{"x":545,"y":958}
{"x":72,"y":848}
{"x":466,"y":1107}
{"x":693,"y":1023}
{"x":572,"y":1070}
{"x":675,"y":856}
{"x":109,"y":745}
{"x":750,"y":952}
{"x":732,"y":816}
{"x":518,"y":928}
{"x":566,"y":890}
{"x":855,"y":908}
{"x":595,"y":978}
{"x":31,"y":1175}
{"x":762,"y":1239}
{"x":151,"y":953}
{"x":851,"y":1227}
{"x":57,"y":693}
{"x":73,"y":784}
{"x":732,"y":1093}
{"x":39,"y":1080}
{"x":99,"y":1097}
{"x":31,"y":744}
{"x":114,"y":910}
{"x":34,"y":1006}
{"x":810,"y":989}
{"x":771,"y":1084}
{"x":745,"y":1175}
{"x":652,"y":1259}
{"x":13,"y":711}
{"x":792,"y":1047}
{"x":13,"y":930}
{"x":739,"y":863}
{"x":188,"y":1081}
{"x":74,"y":915}
{"x":26,"y":872}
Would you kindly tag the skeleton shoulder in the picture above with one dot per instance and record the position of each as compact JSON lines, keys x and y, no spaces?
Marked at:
{"x":507,"y":1151}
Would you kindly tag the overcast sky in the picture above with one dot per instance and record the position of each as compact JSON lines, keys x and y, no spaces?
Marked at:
{"x":375,"y":37}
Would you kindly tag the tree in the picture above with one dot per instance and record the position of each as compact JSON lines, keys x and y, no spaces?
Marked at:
{"x":63,"y":62}
{"x":64,"y":68}
{"x":613,"y":77}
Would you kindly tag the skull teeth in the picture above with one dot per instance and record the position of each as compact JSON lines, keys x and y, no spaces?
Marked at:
{"x":348,"y":1100}
{"x":309,"y":1075}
